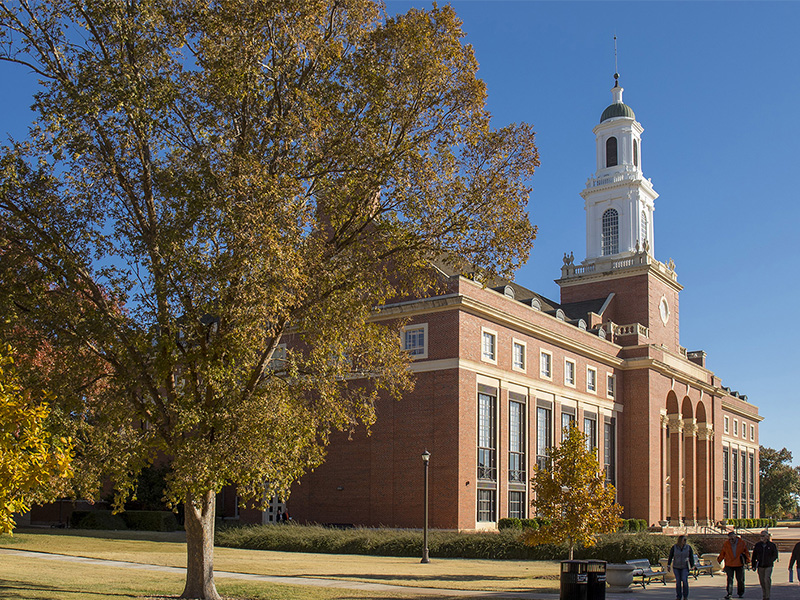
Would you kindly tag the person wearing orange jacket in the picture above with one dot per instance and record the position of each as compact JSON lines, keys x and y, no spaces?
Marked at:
{"x":736,"y":556}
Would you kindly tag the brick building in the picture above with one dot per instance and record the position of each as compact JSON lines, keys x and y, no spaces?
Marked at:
{"x":500,"y":370}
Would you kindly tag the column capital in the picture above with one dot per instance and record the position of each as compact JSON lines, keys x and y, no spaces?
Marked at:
{"x":705,"y":431}
{"x":690,"y":427}
{"x":675,"y":423}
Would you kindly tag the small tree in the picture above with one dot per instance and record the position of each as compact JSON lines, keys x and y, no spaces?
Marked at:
{"x":573,"y":495}
{"x":32,"y":460}
{"x":779,"y":482}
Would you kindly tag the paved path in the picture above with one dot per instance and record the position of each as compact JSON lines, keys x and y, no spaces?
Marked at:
{"x":703,"y":588}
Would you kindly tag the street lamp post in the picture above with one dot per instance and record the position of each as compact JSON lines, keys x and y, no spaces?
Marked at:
{"x":426,"y":458}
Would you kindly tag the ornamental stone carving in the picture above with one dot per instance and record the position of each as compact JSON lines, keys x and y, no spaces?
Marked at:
{"x":675,"y":424}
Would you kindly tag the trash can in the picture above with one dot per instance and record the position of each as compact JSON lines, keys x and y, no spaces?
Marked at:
{"x":596,"y":586}
{"x":573,"y":580}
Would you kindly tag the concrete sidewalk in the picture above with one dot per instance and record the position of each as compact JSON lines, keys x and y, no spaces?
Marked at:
{"x":703,"y":588}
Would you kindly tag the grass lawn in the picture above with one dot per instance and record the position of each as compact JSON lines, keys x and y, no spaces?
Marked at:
{"x":169,"y":549}
{"x":21,"y":578}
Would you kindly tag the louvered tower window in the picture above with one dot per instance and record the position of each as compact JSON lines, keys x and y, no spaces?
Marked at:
{"x":611,"y":152}
{"x":610,"y":232}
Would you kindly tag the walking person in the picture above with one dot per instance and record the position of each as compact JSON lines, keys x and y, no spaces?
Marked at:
{"x":736,"y":556}
{"x":765,"y":553}
{"x":795,"y":559}
{"x":681,"y":558}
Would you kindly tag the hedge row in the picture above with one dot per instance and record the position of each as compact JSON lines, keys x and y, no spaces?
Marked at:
{"x":751,"y":523}
{"x":514,"y":523}
{"x":633,"y":525}
{"x":628,"y":525}
{"x":505,"y":544}
{"x":141,"y":520}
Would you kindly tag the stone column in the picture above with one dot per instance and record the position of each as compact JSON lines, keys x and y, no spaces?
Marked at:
{"x":676,"y":470}
{"x":705,"y":434}
{"x":690,"y":471}
{"x":665,"y":476}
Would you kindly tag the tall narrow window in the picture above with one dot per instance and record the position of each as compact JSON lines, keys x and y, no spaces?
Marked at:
{"x":752,"y":485}
{"x":567,"y":421}
{"x":609,"y":463}
{"x":516,"y":442}
{"x":486,"y":506}
{"x":516,"y":505}
{"x":569,"y":372}
{"x":610,"y":232}
{"x":543,"y":440}
{"x":591,"y":380}
{"x":546,"y":365}
{"x":725,"y":484}
{"x":487,"y":440}
{"x":611,"y":152}
{"x":518,"y":356}
{"x":743,"y":495}
{"x":590,"y":429}
{"x":735,"y":483}
{"x":635,"y":153}
{"x":489,"y":346}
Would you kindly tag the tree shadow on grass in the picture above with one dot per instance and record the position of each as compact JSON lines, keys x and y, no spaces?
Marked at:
{"x":21,"y":590}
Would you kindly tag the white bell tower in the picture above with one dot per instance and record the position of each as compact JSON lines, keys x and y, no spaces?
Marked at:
{"x":619,"y":201}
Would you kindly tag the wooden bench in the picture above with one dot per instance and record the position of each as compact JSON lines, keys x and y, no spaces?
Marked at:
{"x":645,"y":572}
{"x":701,"y":566}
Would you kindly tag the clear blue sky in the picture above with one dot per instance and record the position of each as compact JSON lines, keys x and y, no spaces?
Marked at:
{"x":716,"y":86}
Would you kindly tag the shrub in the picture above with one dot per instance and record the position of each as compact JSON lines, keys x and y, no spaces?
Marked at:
{"x":533,"y":523}
{"x":510,"y":523}
{"x":505,"y":544}
{"x":96,"y":519}
{"x":150,"y":520}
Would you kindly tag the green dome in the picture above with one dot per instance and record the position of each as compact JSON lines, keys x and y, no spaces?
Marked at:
{"x":618,"y":109}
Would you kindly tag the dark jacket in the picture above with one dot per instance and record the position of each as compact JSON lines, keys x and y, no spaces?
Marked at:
{"x":795,"y":556}
{"x":764,"y":554}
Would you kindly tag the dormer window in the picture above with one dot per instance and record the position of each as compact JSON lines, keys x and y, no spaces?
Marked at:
{"x":611,"y":152}
{"x":610,"y":232}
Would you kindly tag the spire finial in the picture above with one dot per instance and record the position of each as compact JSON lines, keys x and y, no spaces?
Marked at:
{"x":616,"y":67}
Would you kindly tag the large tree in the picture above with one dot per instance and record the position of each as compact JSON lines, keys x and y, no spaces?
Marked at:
{"x":571,"y":492}
{"x":207,"y":181}
{"x":779,"y":482}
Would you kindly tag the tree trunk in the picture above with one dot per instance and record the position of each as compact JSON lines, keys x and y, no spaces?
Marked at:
{"x":199,"y":523}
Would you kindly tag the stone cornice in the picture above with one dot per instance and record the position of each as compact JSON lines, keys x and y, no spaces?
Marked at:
{"x":516,"y":378}
{"x":481,"y":309}
{"x":736,"y":410}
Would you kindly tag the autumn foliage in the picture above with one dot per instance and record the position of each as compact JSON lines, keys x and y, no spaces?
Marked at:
{"x":33,"y":461}
{"x":572,"y":493}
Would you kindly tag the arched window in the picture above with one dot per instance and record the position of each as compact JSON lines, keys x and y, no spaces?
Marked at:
{"x":643,"y":232}
{"x":635,"y":153}
{"x":611,"y":152}
{"x":610,"y":232}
